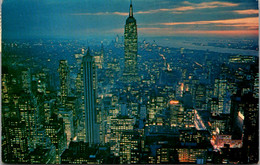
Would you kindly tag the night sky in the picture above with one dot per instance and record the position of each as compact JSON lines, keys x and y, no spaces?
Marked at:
{"x":106,"y":18}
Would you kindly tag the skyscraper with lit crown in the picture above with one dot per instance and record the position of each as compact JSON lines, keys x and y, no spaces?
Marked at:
{"x":130,"y":38}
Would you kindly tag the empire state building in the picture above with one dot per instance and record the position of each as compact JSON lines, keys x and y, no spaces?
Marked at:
{"x":130,"y":73}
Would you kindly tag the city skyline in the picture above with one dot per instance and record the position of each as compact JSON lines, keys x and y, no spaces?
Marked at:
{"x":164,"y":18}
{"x":109,"y":96}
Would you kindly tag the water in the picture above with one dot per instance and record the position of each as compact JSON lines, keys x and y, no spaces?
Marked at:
{"x":187,"y":43}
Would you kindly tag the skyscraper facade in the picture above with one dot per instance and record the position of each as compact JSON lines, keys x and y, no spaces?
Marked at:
{"x":64,"y":79}
{"x":89,"y":76}
{"x":130,"y":38}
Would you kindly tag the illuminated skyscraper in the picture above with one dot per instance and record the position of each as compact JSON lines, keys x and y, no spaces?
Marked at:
{"x":221,"y":92}
{"x":176,"y":113}
{"x":102,"y":55}
{"x":130,"y":38}
{"x":99,"y":56}
{"x":64,"y":79}
{"x":26,"y":78}
{"x":89,"y":76}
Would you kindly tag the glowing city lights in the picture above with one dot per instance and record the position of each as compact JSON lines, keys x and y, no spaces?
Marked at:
{"x":172,"y":102}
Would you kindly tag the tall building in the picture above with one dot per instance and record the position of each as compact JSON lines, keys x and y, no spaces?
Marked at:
{"x":67,"y":116}
{"x":99,"y":55}
{"x":64,"y":79}
{"x":89,"y":76}
{"x":26,"y":78}
{"x":81,"y":132}
{"x":102,"y":55}
{"x":55,"y":129}
{"x":176,"y":113}
{"x":221,"y":92}
{"x":130,"y":38}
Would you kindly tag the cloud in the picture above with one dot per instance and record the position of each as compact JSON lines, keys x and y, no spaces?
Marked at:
{"x":154,"y":30}
{"x":178,"y":10}
{"x":235,"y":27}
{"x":250,"y":11}
{"x":192,"y":6}
{"x":200,"y":32}
{"x":122,"y":13}
{"x":145,"y":30}
{"x":169,"y":31}
{"x":205,"y":5}
{"x":250,"y":21}
{"x":221,"y":32}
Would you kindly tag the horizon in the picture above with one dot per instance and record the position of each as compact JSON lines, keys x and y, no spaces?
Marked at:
{"x":85,"y":19}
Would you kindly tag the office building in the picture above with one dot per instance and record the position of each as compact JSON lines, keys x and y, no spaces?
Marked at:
{"x":89,"y":77}
{"x":130,"y":38}
{"x":64,"y":79}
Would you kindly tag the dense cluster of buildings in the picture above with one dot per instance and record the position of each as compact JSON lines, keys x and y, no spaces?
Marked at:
{"x":153,"y":105}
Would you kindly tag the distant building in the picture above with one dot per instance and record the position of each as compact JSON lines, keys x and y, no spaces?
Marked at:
{"x":176,"y":112}
{"x":242,"y":59}
{"x":200,"y":97}
{"x":99,"y":57}
{"x":26,"y":78}
{"x":221,"y":88}
{"x":64,"y":79}
{"x":157,"y":103}
{"x":143,"y":112}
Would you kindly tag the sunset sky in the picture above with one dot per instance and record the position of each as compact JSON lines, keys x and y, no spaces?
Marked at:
{"x":106,"y":18}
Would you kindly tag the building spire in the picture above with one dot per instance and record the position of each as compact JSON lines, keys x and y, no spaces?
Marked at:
{"x":131,"y":9}
{"x":88,"y":52}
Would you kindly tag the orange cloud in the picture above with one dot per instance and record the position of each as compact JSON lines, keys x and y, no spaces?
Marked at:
{"x":221,"y":32}
{"x":250,"y":11}
{"x":184,"y":8}
{"x":191,"y":6}
{"x":205,"y":5}
{"x":178,"y":10}
{"x":172,"y":32}
{"x":154,"y":31}
{"x":250,"y":21}
{"x":145,"y":30}
{"x":153,"y":28}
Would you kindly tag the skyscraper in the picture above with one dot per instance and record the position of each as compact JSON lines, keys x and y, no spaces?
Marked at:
{"x":130,"y":38}
{"x":64,"y":79}
{"x":89,"y":76}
